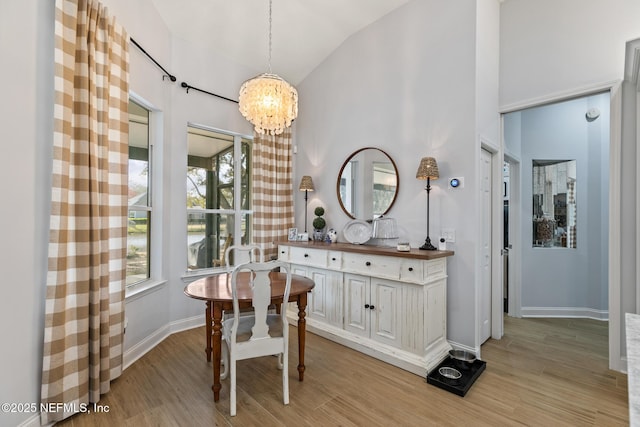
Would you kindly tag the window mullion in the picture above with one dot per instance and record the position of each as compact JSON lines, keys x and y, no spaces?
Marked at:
{"x":237,"y":186}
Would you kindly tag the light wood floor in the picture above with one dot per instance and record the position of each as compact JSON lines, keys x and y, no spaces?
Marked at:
{"x":544,"y":372}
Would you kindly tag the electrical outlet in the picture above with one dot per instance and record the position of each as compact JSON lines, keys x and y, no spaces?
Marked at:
{"x":449,"y":235}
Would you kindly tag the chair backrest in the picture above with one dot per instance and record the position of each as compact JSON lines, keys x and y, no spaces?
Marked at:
{"x":241,"y":253}
{"x":261,"y":286}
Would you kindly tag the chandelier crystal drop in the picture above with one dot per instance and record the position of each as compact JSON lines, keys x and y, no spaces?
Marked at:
{"x":268,"y":101}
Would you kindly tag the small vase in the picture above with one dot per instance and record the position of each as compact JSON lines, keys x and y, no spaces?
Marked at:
{"x":318,"y":235}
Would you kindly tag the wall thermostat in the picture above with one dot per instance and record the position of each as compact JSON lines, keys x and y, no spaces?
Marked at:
{"x":456,"y":182}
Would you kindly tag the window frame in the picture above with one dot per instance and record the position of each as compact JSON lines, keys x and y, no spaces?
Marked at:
{"x":238,"y":212}
{"x":154,"y":230}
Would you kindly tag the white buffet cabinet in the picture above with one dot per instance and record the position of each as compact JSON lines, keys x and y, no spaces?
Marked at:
{"x":388,"y":304}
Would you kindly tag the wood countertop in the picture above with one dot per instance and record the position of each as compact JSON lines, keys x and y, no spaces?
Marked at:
{"x":370,"y":249}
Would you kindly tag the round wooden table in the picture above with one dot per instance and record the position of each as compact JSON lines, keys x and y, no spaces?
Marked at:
{"x":216,"y":291}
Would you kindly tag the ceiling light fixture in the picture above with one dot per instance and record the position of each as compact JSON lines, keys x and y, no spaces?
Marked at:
{"x":268,"y":101}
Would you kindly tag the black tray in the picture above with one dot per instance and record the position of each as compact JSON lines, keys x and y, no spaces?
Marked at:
{"x":470,"y":373}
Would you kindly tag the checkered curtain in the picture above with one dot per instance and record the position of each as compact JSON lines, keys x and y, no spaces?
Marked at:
{"x":272,"y":191}
{"x":84,"y":310}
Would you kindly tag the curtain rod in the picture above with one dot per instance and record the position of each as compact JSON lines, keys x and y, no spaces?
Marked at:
{"x":188,"y":86}
{"x":168,"y":74}
{"x":173,"y":78}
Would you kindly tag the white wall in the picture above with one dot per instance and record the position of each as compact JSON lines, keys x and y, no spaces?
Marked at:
{"x":166,"y":308}
{"x":25,"y":134}
{"x":218,"y":74}
{"x":629,"y":278}
{"x":561,"y":281}
{"x":550,"y":47}
{"x":405,"y":84}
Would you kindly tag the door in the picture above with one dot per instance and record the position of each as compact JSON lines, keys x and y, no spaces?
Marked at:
{"x":325,"y":302}
{"x":385,"y":308}
{"x":356,"y":304}
{"x":486,"y":220}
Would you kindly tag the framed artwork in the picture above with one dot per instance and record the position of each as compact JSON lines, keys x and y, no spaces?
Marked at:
{"x":293,"y":234}
{"x":303,"y":237}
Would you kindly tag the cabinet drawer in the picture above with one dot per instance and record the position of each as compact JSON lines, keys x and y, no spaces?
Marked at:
{"x":283,"y":253}
{"x":411,"y":271}
{"x":435,"y":268}
{"x":372,"y":265}
{"x":335,"y":260}
{"x":315,"y":257}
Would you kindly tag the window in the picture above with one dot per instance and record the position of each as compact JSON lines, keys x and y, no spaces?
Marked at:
{"x":139,"y":226}
{"x":218,"y":195}
{"x":554,"y":203}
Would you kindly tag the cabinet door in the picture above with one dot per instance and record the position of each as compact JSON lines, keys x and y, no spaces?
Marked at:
{"x":436,"y":312}
{"x":356,"y":297}
{"x":385,"y":308}
{"x":326,"y":297}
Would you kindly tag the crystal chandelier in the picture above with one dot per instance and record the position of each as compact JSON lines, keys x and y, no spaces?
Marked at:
{"x":268,"y":101}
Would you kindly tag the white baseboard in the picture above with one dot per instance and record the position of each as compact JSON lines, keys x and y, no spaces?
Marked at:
{"x":148,"y":343}
{"x":144,"y":346}
{"x":33,"y":421}
{"x":139,"y":350}
{"x":569,"y":312}
{"x":186,"y":324}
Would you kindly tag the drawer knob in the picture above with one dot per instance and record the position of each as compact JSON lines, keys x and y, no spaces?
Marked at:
{"x":366,"y":306}
{"x":368,"y":263}
{"x":372,"y":307}
{"x":410,"y":268}
{"x":306,"y":255}
{"x":333,"y":259}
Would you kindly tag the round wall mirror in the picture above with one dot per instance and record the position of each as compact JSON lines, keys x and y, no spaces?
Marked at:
{"x":367,"y":184}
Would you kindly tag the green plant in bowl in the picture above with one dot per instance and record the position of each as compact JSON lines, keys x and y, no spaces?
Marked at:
{"x":319,"y":223}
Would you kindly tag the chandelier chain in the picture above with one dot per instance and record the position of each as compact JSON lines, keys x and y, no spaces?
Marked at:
{"x":270,"y":1}
{"x":268,"y":101}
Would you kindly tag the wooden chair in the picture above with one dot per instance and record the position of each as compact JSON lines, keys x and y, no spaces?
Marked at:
{"x":261,"y":333}
{"x":246,"y":252}
{"x":242,"y":251}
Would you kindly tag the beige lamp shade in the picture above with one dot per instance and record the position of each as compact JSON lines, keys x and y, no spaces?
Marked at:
{"x":306,"y":184}
{"x":428,"y":169}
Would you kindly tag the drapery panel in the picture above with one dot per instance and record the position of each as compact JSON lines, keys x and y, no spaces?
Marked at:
{"x":84,"y":309}
{"x":272,"y":190}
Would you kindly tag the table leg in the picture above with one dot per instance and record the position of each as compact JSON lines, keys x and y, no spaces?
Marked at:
{"x":207,"y":319}
{"x":302,"y":325}
{"x":217,"y":342}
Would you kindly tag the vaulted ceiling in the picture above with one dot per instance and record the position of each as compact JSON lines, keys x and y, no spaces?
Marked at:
{"x":304,"y":32}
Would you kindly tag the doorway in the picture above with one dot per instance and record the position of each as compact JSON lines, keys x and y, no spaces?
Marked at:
{"x":555,"y":280}
{"x":511,"y":236}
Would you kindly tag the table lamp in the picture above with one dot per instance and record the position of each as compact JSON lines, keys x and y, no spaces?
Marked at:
{"x":428,"y":170}
{"x":306,"y":185}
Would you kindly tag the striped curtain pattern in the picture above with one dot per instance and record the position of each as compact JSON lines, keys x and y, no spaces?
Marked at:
{"x":272,"y":190}
{"x":84,"y":309}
